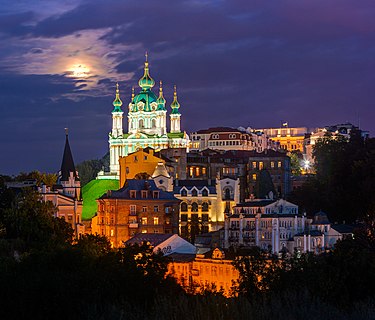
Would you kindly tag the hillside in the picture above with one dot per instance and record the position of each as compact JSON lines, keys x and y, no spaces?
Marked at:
{"x":92,"y":191}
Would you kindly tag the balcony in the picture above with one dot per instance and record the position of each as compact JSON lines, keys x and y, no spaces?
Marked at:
{"x":133,"y":225}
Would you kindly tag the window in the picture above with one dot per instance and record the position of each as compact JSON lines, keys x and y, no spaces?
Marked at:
{"x":183,"y":193}
{"x":127,"y":169}
{"x":144,"y":220}
{"x":191,"y":171}
{"x":144,"y":194}
{"x":194,"y":217}
{"x":279,"y":164}
{"x":184,"y":217}
{"x":204,"y":193}
{"x":135,"y":158}
{"x":156,"y":208}
{"x":260,"y":165}
{"x":184,"y":207}
{"x":254,"y":177}
{"x":254,"y":165}
{"x":203,"y":171}
{"x":144,"y":209}
{"x":144,"y":157}
{"x":205,"y":206}
{"x":144,"y":231}
{"x":155,"y":194}
{"x":156,"y":220}
{"x":112,"y":232}
{"x":204,"y":217}
{"x":197,"y":171}
{"x":133,"y":194}
{"x":194,"y":193}
{"x":194,"y":207}
{"x":272,"y":164}
{"x":133,"y":209}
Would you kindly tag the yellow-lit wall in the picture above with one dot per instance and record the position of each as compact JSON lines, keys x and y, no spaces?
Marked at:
{"x":137,"y":162}
{"x":205,"y":273}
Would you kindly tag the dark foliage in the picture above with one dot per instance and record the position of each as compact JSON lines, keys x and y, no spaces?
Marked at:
{"x":345,"y":178}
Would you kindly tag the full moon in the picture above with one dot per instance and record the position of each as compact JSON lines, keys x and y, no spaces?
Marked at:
{"x":79,"y":71}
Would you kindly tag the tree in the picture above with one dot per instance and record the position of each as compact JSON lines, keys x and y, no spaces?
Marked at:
{"x":32,"y":223}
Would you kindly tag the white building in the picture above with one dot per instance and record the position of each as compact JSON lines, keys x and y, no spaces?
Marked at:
{"x":225,"y":138}
{"x":266,"y":223}
{"x":147,"y":124}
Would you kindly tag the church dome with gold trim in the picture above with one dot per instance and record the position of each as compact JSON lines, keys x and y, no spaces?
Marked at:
{"x":145,"y":100}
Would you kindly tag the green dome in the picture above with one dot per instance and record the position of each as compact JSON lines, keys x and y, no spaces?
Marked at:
{"x":146,"y":82}
{"x":161,"y":101}
{"x":147,"y":97}
{"x":117,"y":103}
{"x":175,"y":105}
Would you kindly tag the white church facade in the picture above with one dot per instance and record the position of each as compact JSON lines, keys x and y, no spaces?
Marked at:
{"x":147,"y":124}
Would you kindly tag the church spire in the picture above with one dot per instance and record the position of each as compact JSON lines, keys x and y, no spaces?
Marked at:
{"x":146,"y":82}
{"x":117,"y":103}
{"x":67,"y":165}
{"x":161,"y":101}
{"x":175,"y":105}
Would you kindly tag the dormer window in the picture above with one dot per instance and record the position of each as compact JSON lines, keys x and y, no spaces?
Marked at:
{"x":194,"y":193}
{"x":183,"y":193}
{"x":204,"y":193}
{"x":215,"y":136}
{"x":155,"y":194}
{"x":133,"y":194}
{"x":144,"y":194}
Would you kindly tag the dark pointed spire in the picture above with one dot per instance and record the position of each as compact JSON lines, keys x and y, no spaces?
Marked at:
{"x":67,"y":164}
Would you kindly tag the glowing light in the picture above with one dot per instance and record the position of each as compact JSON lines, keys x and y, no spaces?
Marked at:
{"x":306,"y":164}
{"x":79,"y":71}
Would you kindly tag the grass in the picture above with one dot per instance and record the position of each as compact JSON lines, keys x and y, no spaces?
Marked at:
{"x":92,"y":191}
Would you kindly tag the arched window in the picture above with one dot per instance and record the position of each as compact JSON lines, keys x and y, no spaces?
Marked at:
{"x":194,"y":193}
{"x":184,"y":207}
{"x":194,"y":207}
{"x":205,"y":206}
{"x":227,"y":194}
{"x":153,"y":123}
{"x":204,"y":193}
{"x":183,"y":193}
{"x":141,"y":124}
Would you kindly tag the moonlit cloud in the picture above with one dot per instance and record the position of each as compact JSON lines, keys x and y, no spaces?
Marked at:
{"x":235,"y":62}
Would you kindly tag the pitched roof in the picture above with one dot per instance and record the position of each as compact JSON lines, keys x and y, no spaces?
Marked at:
{"x":139,"y":185}
{"x":199,"y":184}
{"x":320,"y":218}
{"x":67,"y":164}
{"x":152,"y":238}
{"x":217,"y":129}
{"x":256,"y":203}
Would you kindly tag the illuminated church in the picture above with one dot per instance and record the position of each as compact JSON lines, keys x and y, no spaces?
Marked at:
{"x":147,"y":123}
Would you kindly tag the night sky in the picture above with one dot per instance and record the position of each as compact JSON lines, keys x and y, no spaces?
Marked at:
{"x":235,"y":63}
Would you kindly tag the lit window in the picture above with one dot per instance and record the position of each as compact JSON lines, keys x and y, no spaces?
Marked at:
{"x":261,"y":165}
{"x":254,"y":176}
{"x":156,"y":220}
{"x":279,"y":164}
{"x":112,"y":232}
{"x":133,"y":209}
{"x":184,"y":207}
{"x":203,"y":171}
{"x":144,"y":231}
{"x":144,"y":220}
{"x":254,"y":165}
{"x":272,"y":164}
